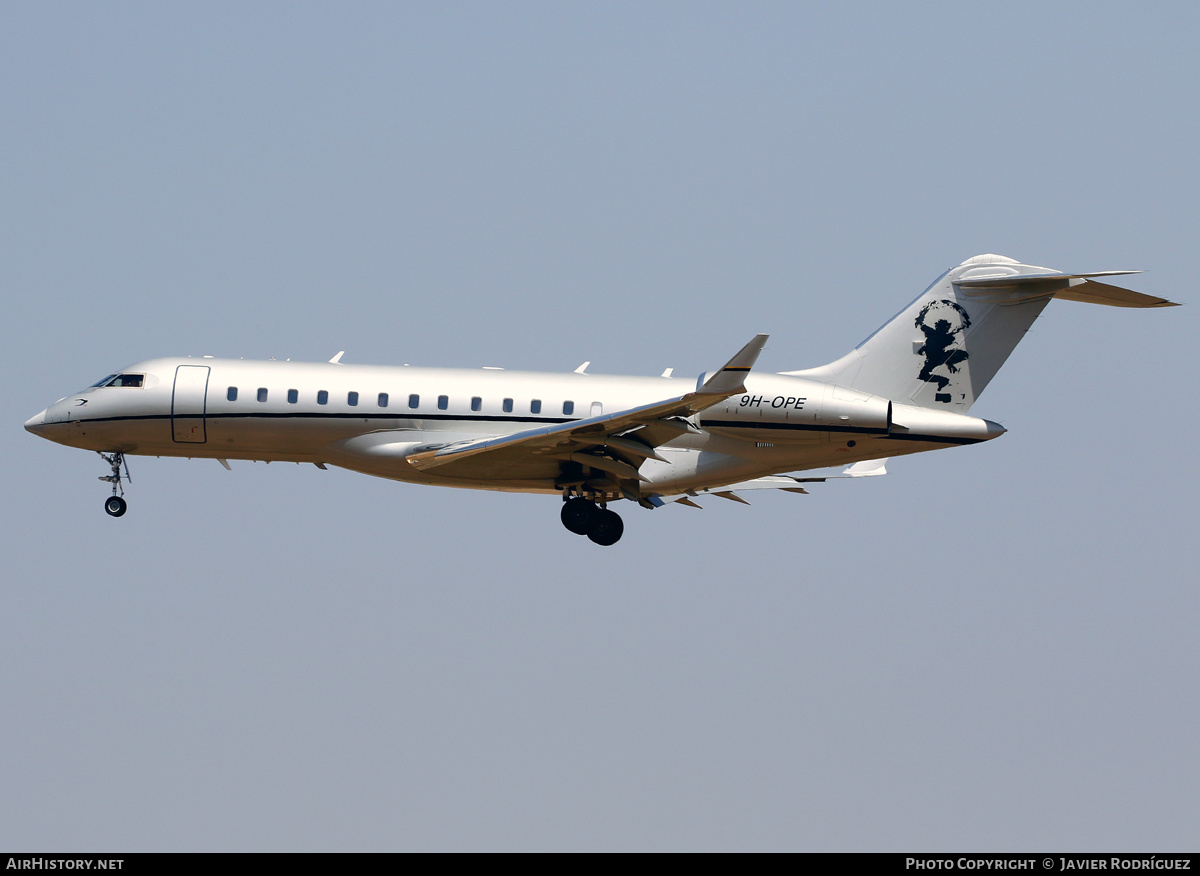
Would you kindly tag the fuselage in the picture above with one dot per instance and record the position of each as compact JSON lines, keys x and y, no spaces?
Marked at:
{"x":594,"y":439}
{"x":370,"y":418}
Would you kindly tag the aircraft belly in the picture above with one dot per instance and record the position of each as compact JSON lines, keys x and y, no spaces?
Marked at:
{"x":771,"y":433}
{"x":500,"y":470}
{"x":696,"y":471}
{"x":514,"y":480}
{"x":720,"y":461}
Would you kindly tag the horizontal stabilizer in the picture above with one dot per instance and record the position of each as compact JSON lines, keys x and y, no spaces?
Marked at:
{"x":1027,"y":279}
{"x":1069,"y":287}
{"x":1092,"y":292}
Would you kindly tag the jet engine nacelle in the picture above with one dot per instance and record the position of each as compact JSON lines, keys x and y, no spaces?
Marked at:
{"x":853,"y":410}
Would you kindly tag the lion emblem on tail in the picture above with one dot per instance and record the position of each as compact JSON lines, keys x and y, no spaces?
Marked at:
{"x":943,"y":323}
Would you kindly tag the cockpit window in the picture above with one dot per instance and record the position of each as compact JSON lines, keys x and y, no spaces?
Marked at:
{"x":127,"y":380}
{"x":103,"y":380}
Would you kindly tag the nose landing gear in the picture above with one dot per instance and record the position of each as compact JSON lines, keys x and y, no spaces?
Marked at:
{"x":115,"y":505}
{"x":583,"y":517}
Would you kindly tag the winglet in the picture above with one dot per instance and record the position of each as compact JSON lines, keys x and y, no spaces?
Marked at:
{"x":730,"y":379}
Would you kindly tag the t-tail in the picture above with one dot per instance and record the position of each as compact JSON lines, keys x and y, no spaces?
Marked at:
{"x":945,"y":347}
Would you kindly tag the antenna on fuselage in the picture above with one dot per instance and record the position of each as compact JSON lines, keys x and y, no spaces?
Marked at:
{"x":337,"y":360}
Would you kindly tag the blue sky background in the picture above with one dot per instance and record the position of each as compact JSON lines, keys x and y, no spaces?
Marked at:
{"x":993,"y":647}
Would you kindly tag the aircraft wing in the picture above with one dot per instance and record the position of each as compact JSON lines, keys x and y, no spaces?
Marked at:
{"x":628,"y":437}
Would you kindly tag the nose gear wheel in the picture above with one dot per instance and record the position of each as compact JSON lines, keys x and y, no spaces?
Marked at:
{"x":115,"y":505}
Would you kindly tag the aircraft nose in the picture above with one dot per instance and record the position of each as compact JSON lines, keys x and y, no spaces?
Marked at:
{"x":34,"y":424}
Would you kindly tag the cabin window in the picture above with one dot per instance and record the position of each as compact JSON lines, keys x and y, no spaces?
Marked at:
{"x":352,"y":399}
{"x":443,"y":402}
{"x":262,"y":393}
{"x":535,"y":406}
{"x":414,"y":401}
{"x":323,"y":397}
{"x":597,"y":409}
{"x":568,"y":408}
{"x":232,"y":393}
{"x":383,"y":399}
{"x":293,"y":396}
{"x":507,"y":406}
{"x":476,"y":403}
{"x":127,"y":380}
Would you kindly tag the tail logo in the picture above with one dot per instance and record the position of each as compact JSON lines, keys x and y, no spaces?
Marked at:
{"x":943,"y":323}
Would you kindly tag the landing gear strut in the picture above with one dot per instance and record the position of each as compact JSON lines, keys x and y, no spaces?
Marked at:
{"x":583,"y":517}
{"x":115,"y":505}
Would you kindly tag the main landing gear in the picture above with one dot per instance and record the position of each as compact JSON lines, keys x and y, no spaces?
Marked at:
{"x":583,"y":517}
{"x":115,"y":504}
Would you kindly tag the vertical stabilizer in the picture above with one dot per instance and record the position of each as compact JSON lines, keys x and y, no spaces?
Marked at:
{"x":944,"y":348}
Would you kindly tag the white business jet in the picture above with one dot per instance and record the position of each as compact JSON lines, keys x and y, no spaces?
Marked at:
{"x":589,"y":438}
